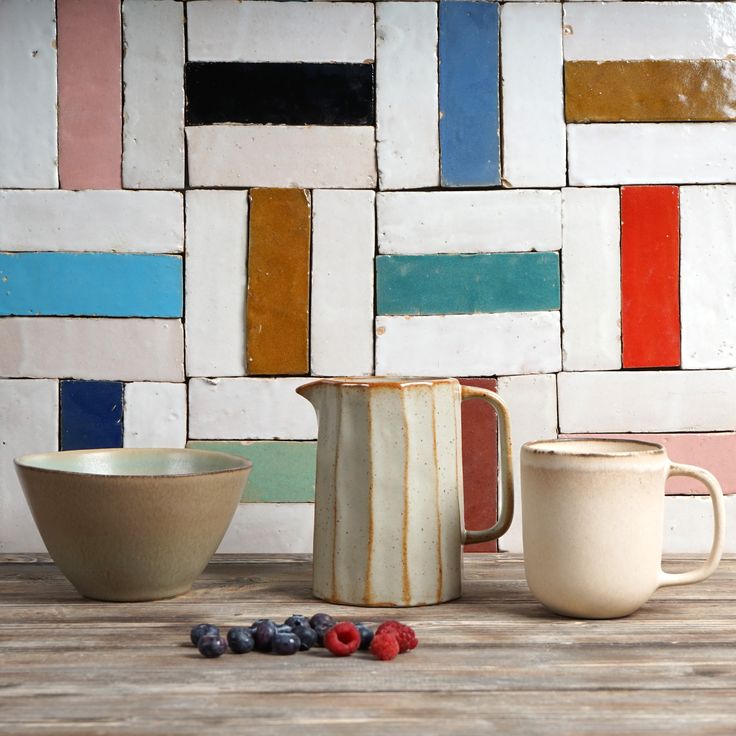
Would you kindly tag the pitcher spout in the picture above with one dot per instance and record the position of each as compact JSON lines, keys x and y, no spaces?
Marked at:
{"x":311,"y":392}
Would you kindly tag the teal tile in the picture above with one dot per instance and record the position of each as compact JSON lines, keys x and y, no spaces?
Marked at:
{"x":283,"y":471}
{"x":468,"y":284}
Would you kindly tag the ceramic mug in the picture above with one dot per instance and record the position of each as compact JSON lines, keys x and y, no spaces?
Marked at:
{"x":593,"y":517}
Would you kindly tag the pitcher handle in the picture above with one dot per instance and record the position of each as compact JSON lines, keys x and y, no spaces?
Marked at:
{"x":507,"y":473}
{"x":719,"y":529}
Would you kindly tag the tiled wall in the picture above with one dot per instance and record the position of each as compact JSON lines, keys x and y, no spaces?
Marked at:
{"x":204,"y":203}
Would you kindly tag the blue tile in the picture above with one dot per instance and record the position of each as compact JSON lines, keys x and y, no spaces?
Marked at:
{"x":91,"y":284}
{"x":469,"y":82}
{"x":91,"y":414}
{"x":468,"y":284}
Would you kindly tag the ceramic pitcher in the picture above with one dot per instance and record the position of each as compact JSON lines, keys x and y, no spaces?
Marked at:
{"x":388,"y":528}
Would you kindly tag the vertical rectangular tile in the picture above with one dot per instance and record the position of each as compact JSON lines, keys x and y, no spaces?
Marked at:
{"x":480,"y":463}
{"x":591,"y":279}
{"x":29,"y":422}
{"x":534,"y":145}
{"x":90,"y":94}
{"x":153,"y":75}
{"x":216,"y":255}
{"x":277,"y":302}
{"x":407,"y":100}
{"x":343,"y":243}
{"x":708,"y":275}
{"x":650,"y":277}
{"x":155,"y":415}
{"x":468,"y":94}
{"x":91,"y":414}
{"x":28,"y":129}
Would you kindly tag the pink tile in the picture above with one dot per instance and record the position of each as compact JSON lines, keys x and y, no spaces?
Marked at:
{"x":715,"y":452}
{"x":90,"y":97}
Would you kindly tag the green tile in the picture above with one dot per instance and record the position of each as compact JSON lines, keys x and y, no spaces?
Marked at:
{"x":282,"y":471}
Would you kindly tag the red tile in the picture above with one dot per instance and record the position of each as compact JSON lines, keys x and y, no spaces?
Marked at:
{"x":650,"y":276}
{"x":90,"y":94}
{"x":480,"y":463}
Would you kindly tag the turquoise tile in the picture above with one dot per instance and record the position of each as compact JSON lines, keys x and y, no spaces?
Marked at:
{"x":90,"y":284}
{"x":468,"y":284}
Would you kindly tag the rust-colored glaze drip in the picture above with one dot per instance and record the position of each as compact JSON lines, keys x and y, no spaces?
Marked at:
{"x":334,"y":495}
{"x":650,"y":90}
{"x":368,"y":589}
{"x":440,"y":572}
{"x":405,"y":537}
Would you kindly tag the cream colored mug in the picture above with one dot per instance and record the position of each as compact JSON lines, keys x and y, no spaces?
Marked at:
{"x":593,"y":518}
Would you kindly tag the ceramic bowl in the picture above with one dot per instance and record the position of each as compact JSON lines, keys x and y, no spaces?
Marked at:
{"x":132,"y":524}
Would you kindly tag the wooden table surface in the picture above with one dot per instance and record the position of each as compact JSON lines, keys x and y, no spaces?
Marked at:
{"x":493,"y":662}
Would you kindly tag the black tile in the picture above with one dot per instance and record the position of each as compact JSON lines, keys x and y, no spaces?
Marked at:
{"x":91,"y":414}
{"x":279,"y":94}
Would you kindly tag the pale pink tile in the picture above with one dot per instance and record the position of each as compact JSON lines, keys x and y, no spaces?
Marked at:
{"x":713,"y":451}
{"x":90,"y":105}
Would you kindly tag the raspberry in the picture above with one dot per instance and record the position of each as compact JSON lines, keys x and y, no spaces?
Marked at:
{"x":405,"y":635}
{"x":342,"y":639}
{"x":385,"y":646}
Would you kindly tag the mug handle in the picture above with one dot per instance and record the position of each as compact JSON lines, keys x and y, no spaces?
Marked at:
{"x":507,"y":473}
{"x":719,"y":529}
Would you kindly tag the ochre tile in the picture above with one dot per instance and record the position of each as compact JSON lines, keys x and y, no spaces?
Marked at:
{"x":650,"y":91}
{"x":277,"y":302}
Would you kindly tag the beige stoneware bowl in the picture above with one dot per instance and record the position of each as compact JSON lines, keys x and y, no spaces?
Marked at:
{"x":132,"y":524}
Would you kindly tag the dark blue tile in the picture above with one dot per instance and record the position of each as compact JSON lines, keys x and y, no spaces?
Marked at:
{"x":91,"y":414}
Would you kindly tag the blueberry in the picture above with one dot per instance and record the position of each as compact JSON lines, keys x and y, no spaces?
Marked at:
{"x":264,"y":634}
{"x":201,"y":630}
{"x":240,"y":640}
{"x":321,"y":620}
{"x":212,"y":646}
{"x":284,"y":629}
{"x":307,"y":637}
{"x":366,"y":635}
{"x":285,"y":644}
{"x":296,"y":619}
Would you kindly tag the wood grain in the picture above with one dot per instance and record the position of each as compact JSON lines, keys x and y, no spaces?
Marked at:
{"x":493,"y":659}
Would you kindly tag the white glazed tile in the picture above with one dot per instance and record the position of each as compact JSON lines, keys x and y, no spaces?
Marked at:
{"x":651,"y":153}
{"x":591,"y":279}
{"x":95,"y":220}
{"x":647,"y":401}
{"x":306,"y":157}
{"x":468,"y":344}
{"x":688,"y":525}
{"x":153,"y":77}
{"x":650,"y":30}
{"x":407,"y":105}
{"x":28,"y":128}
{"x":249,"y":408}
{"x":270,"y":528}
{"x":230,"y":30}
{"x":532,"y":403}
{"x":155,"y":415}
{"x":216,"y":255}
{"x":96,"y":349}
{"x":468,"y":222}
{"x":534,"y":145}
{"x":708,"y":276}
{"x":343,"y":243}
{"x":29,"y":420}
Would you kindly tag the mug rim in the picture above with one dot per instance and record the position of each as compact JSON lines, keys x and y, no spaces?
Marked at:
{"x":553,"y":447}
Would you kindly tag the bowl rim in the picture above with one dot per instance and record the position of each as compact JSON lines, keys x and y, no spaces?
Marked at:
{"x":28,"y":462}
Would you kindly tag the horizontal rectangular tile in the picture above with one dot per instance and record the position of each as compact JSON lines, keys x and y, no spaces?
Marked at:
{"x":282,"y":156}
{"x":713,"y":451}
{"x":145,"y":222}
{"x":155,"y":414}
{"x":623,"y":30}
{"x":99,"y":349}
{"x":282,"y":471}
{"x":249,"y":408}
{"x":28,"y":127}
{"x":651,"y":153}
{"x":469,"y":344}
{"x":414,"y":223}
{"x":273,"y":527}
{"x":688,"y":525}
{"x":650,"y":91}
{"x":91,"y":414}
{"x":91,"y":284}
{"x":279,"y":94}
{"x":467,"y":284}
{"x":221,"y":30}
{"x":647,"y":401}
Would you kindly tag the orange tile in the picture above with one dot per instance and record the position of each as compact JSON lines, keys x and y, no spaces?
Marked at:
{"x":650,"y":91}
{"x":277,"y":305}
